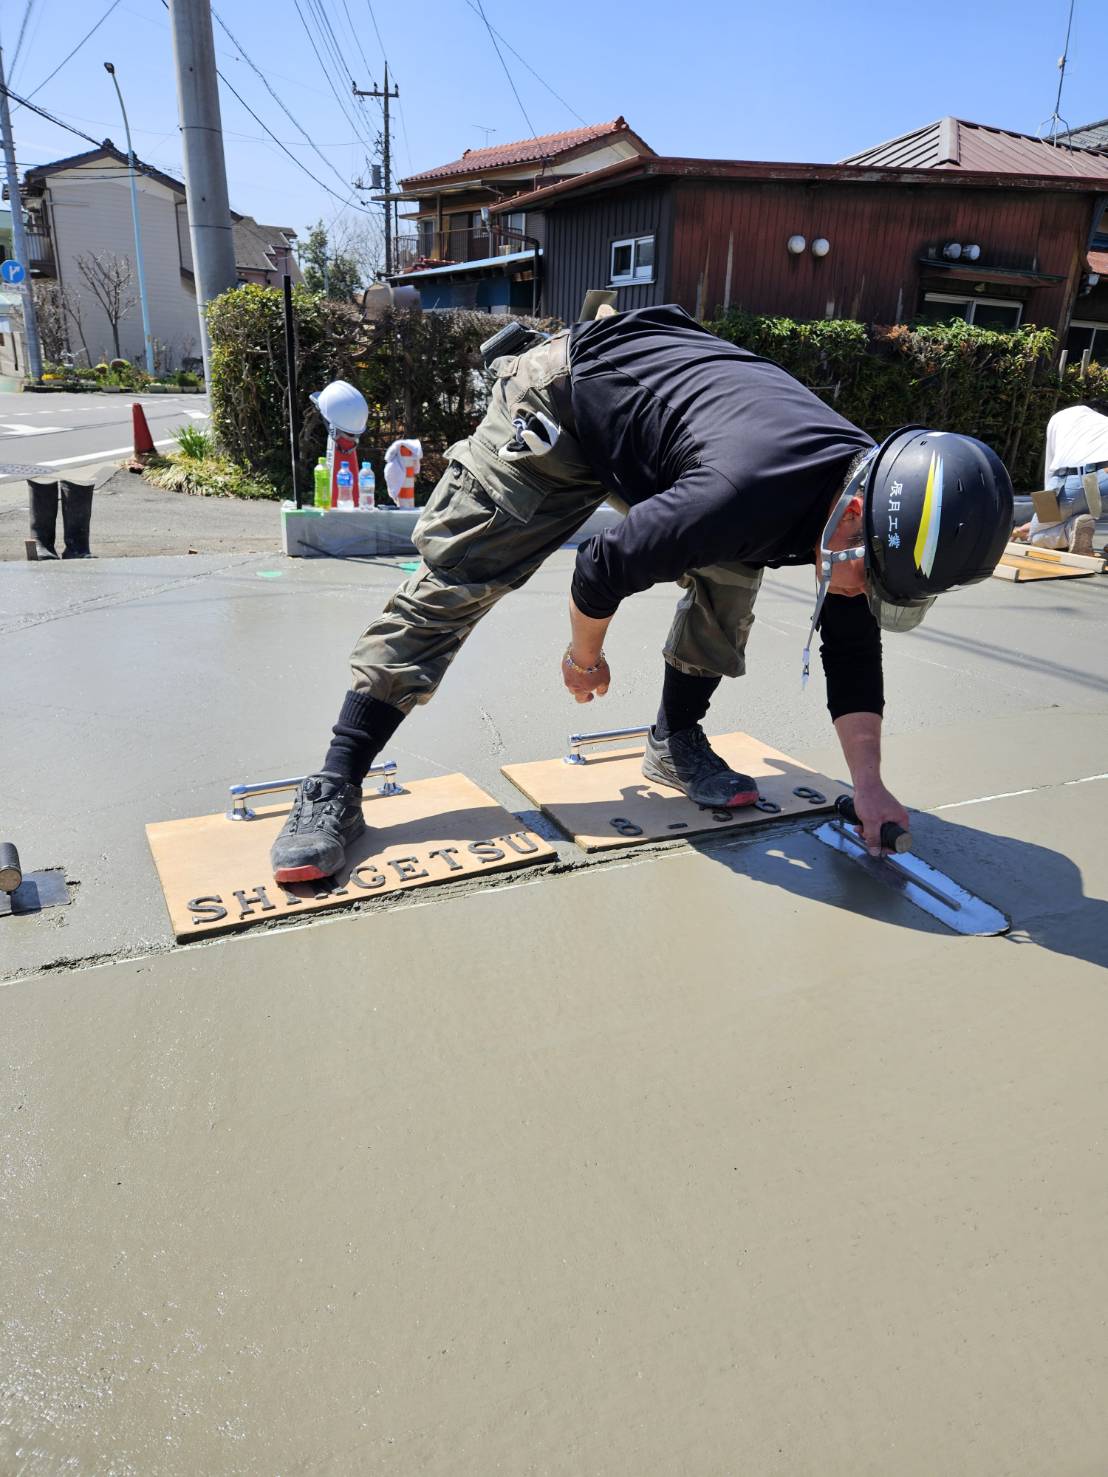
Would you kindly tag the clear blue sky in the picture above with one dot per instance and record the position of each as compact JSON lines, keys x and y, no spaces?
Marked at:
{"x":802,"y":79}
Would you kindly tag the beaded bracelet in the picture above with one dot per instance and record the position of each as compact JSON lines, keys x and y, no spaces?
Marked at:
{"x":567,"y":661}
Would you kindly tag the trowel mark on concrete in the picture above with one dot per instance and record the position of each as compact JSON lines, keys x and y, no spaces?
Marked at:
{"x":494,"y":732}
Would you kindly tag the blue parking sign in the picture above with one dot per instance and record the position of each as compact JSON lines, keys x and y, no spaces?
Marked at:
{"x":12,"y":272}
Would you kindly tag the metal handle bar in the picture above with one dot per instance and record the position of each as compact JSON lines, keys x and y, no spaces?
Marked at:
{"x":579,"y":741}
{"x":240,"y":811}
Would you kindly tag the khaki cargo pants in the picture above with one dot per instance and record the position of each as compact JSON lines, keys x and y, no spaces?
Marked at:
{"x":488,"y":526}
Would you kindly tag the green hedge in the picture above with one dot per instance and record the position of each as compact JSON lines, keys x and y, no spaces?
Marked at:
{"x":422,"y":376}
{"x":1000,"y":387}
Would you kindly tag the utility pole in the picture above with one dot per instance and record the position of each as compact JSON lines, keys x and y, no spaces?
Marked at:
{"x":19,"y":239}
{"x":213,"y":246}
{"x":386,"y":160}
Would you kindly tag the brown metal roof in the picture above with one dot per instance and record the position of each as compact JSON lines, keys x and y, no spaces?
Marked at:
{"x":524,"y":151}
{"x":656,"y":167}
{"x":953,"y":143}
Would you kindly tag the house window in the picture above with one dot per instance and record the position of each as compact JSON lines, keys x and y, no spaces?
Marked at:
{"x":1082,"y":336}
{"x":514,"y":228}
{"x":632,"y":260}
{"x":425,"y":230}
{"x":985,"y":312}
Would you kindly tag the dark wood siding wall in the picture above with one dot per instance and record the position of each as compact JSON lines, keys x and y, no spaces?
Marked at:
{"x":729,"y":246}
{"x":579,"y":244}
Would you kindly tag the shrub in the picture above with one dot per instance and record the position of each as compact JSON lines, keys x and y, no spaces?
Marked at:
{"x":195,"y":444}
{"x":417,"y":372}
{"x":999,"y":387}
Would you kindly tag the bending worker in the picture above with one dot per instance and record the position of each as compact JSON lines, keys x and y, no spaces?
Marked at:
{"x":724,"y":465}
{"x":1077,"y":471}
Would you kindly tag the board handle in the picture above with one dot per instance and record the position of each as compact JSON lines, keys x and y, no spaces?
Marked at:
{"x":893,"y":837}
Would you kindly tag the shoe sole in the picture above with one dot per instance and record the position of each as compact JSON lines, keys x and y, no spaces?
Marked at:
{"x":300,"y":874}
{"x":737,"y":801}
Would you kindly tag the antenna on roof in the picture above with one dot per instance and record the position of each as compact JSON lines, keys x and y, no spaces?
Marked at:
{"x":480,"y":127}
{"x":1052,"y":124}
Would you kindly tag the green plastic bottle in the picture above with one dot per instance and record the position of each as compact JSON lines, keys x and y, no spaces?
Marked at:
{"x":322,"y":484}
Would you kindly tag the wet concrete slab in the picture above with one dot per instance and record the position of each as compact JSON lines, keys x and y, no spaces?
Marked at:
{"x":712,"y":1159}
{"x":720,"y":1160}
{"x":139,"y":689}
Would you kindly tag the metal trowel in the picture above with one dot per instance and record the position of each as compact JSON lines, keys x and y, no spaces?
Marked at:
{"x":928,"y":888}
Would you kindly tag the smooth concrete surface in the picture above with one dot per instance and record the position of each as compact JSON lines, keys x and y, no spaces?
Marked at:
{"x":712,"y":1159}
{"x":708,"y":1163}
{"x":139,"y":690}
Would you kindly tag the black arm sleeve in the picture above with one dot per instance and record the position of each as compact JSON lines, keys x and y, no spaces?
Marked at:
{"x":851,"y":656}
{"x":687,"y":526}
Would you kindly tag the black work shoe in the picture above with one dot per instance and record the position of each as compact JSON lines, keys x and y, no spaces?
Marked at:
{"x":686,"y":761}
{"x":325,"y":817}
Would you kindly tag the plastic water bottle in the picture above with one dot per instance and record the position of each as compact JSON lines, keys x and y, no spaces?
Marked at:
{"x":345,"y":482}
{"x":367,"y":488}
{"x":322,"y":484}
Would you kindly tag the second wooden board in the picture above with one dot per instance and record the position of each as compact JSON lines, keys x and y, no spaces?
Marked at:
{"x":1023,"y":571}
{"x":606,"y":801}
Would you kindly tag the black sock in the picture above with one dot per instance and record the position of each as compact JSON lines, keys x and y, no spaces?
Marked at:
{"x":364,"y":727}
{"x":685,"y":700}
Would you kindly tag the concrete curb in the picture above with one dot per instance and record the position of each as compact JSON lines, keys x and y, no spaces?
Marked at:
{"x":314,"y":533}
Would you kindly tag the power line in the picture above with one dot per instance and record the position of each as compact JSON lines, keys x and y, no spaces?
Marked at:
{"x":22,"y":32}
{"x":357,"y":38}
{"x":504,"y":64}
{"x":265,"y":81}
{"x":325,"y":69}
{"x":76,"y":49}
{"x":269,"y":132}
{"x":523,"y":60}
{"x":34,"y":107}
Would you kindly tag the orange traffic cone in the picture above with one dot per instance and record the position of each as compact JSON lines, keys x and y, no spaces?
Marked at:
{"x":144,"y":442}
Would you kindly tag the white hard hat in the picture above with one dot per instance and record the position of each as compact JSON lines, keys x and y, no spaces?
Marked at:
{"x":343,"y":407}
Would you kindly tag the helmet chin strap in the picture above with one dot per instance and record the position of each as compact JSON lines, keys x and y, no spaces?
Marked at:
{"x":828,"y":558}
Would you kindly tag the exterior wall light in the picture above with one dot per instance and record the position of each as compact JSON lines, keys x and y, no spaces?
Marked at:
{"x":952,"y":251}
{"x":796,"y":244}
{"x":820,"y":246}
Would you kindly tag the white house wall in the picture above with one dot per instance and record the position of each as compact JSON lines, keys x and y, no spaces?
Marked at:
{"x":93,"y":215}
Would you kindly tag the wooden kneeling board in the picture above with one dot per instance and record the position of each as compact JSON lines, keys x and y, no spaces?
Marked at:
{"x":606,"y":801}
{"x":1021,"y":570}
{"x":216,"y":874}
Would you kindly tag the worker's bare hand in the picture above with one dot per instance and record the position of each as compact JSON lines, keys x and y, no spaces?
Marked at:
{"x":586,"y":685}
{"x":875,"y":805}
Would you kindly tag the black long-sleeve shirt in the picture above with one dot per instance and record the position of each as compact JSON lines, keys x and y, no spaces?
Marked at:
{"x":722,"y":456}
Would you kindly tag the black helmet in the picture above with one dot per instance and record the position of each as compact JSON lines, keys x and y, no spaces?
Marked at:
{"x":938,"y":513}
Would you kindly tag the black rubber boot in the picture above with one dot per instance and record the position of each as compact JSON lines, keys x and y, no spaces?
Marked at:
{"x":325,"y":817}
{"x":76,"y":517}
{"x":44,"y":516}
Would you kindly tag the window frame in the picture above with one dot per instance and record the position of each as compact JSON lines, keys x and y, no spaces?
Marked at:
{"x":634,"y":278}
{"x":972,"y":300}
{"x":1097,"y":328}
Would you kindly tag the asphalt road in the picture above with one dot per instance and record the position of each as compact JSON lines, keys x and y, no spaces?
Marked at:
{"x":67,"y":430}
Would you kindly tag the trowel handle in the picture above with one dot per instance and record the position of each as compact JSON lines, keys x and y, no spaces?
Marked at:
{"x":893,"y":837}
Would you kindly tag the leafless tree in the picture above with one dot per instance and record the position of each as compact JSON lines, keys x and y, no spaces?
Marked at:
{"x":57,"y":308}
{"x":110,"y":278}
{"x":53,"y":322}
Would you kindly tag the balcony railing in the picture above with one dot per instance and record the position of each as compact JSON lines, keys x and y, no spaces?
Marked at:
{"x":40,"y":253}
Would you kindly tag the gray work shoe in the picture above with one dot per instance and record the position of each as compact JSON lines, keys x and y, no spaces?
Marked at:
{"x":686,"y":761}
{"x":325,"y":817}
{"x":1081,"y":534}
